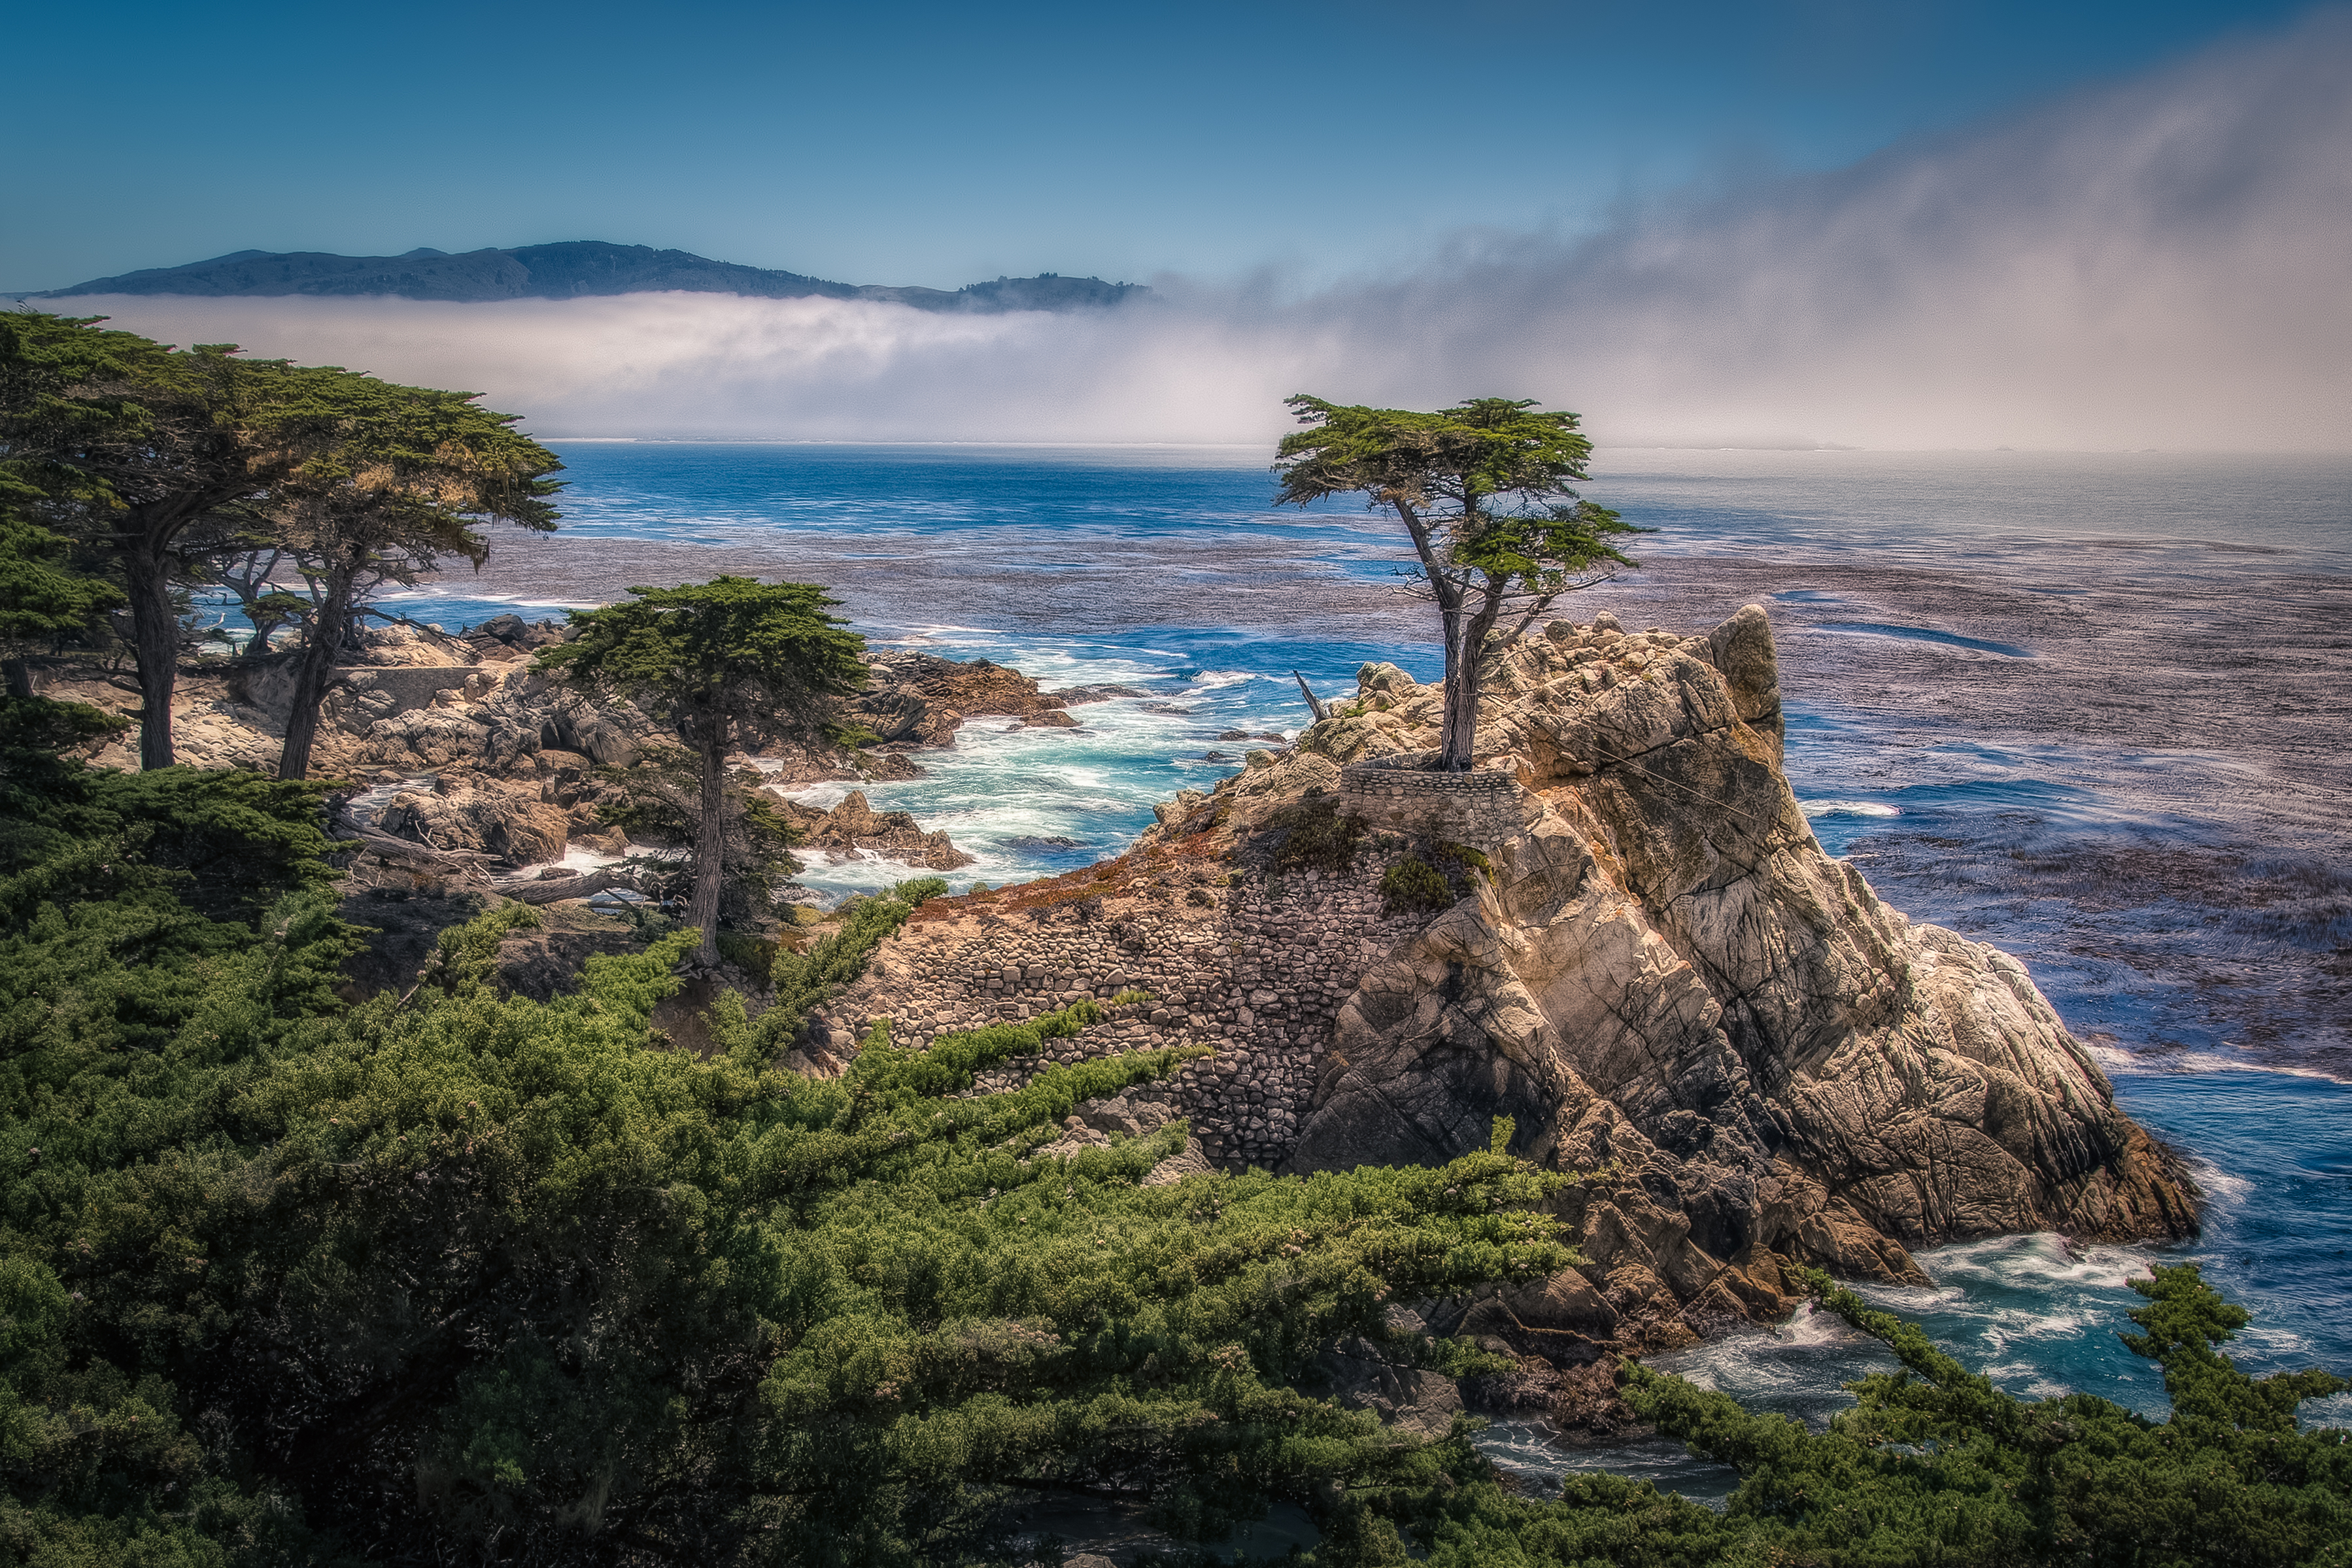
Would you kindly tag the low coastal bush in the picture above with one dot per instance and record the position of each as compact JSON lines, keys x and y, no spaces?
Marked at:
{"x":1414,"y":884}
{"x":1464,"y":855}
{"x":464,"y":1274}
{"x":1316,"y":837}
{"x":751,"y":954}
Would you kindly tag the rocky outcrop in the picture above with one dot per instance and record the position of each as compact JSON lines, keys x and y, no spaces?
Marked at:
{"x":919,"y":700}
{"x":459,"y":813}
{"x":1647,"y":962}
{"x":513,"y":749}
{"x":1661,"y":968}
{"x":855,"y":826}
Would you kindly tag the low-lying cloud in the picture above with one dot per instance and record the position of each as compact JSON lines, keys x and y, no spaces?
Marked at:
{"x":2165,"y":262}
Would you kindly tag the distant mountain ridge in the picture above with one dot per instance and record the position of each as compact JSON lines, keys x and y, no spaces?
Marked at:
{"x":567,"y":270}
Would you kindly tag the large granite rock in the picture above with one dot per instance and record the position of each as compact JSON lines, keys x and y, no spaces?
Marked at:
{"x":465,"y":813}
{"x":1664,"y":975}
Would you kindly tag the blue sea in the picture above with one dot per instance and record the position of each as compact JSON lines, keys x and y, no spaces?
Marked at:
{"x":2096,"y":708}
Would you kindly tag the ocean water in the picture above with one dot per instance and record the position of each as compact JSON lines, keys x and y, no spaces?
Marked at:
{"x":2094,"y":708}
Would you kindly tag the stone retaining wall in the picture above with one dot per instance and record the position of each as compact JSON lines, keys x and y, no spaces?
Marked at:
{"x":1481,"y":809}
{"x":414,"y":686}
{"x":1258,"y":974}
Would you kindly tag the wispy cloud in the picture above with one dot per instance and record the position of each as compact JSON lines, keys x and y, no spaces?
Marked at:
{"x":2163,"y":262}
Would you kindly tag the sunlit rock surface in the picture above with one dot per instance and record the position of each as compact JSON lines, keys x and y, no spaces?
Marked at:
{"x":1654,"y":971}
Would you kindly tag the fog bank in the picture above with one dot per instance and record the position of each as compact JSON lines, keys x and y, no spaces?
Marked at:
{"x":2164,"y":262}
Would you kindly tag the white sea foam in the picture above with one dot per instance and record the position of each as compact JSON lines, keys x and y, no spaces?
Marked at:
{"x":2220,"y":1186}
{"x":1817,"y":808}
{"x":1809,"y":1325}
{"x":2118,"y":1061}
{"x":858,"y":871}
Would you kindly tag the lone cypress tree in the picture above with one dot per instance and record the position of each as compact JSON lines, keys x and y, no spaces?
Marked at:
{"x":706,"y":656}
{"x":1483,"y":489}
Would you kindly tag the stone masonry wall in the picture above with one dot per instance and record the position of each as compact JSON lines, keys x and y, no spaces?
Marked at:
{"x":1256,"y":972}
{"x":1481,"y":809}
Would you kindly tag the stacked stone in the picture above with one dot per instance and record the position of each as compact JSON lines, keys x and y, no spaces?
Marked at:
{"x":1259,"y":978}
{"x":1479,"y":808}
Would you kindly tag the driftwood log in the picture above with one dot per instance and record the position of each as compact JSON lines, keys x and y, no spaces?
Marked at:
{"x":472,"y":865}
{"x":1314,"y":703}
{"x":553,"y":890}
{"x":424,"y":857}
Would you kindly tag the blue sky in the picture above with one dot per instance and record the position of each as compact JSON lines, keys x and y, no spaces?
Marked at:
{"x":940,"y":144}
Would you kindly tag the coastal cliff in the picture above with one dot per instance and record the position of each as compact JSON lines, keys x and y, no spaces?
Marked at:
{"x":513,"y":752}
{"x":1620,"y":933}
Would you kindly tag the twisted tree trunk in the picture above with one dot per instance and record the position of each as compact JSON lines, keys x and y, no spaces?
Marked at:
{"x":1465,"y":638}
{"x":709,"y":834}
{"x":313,"y":672}
{"x":155,"y":644}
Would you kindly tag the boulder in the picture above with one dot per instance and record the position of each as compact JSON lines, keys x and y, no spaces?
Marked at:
{"x":1414,"y":1400}
{"x":473,"y":814}
{"x":920,"y":698}
{"x":855,"y":824}
{"x":1664,"y":970}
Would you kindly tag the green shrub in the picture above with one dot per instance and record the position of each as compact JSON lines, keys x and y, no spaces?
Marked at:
{"x":1314,"y":836}
{"x":1469,"y":860}
{"x":1414,"y":884}
{"x":801,"y":980}
{"x":751,"y":954}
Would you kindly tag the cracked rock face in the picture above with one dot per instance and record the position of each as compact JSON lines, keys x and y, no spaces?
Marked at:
{"x":1662,"y":969}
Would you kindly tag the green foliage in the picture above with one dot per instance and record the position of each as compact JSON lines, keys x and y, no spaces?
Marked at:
{"x":1414,"y":884}
{"x":231,"y":843}
{"x":42,"y":597}
{"x":1464,"y":855}
{"x":751,"y":954}
{"x":1935,"y":1466}
{"x":1468,"y":457}
{"x":706,"y":653}
{"x":1315,"y":836}
{"x":646,"y":921}
{"x":801,"y":981}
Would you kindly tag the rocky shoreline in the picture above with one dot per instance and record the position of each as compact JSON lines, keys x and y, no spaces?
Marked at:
{"x":491,"y":759}
{"x":1620,"y":934}
{"x":1651,"y":967}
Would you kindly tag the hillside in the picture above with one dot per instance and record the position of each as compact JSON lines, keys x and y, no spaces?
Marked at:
{"x":571,"y":269}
